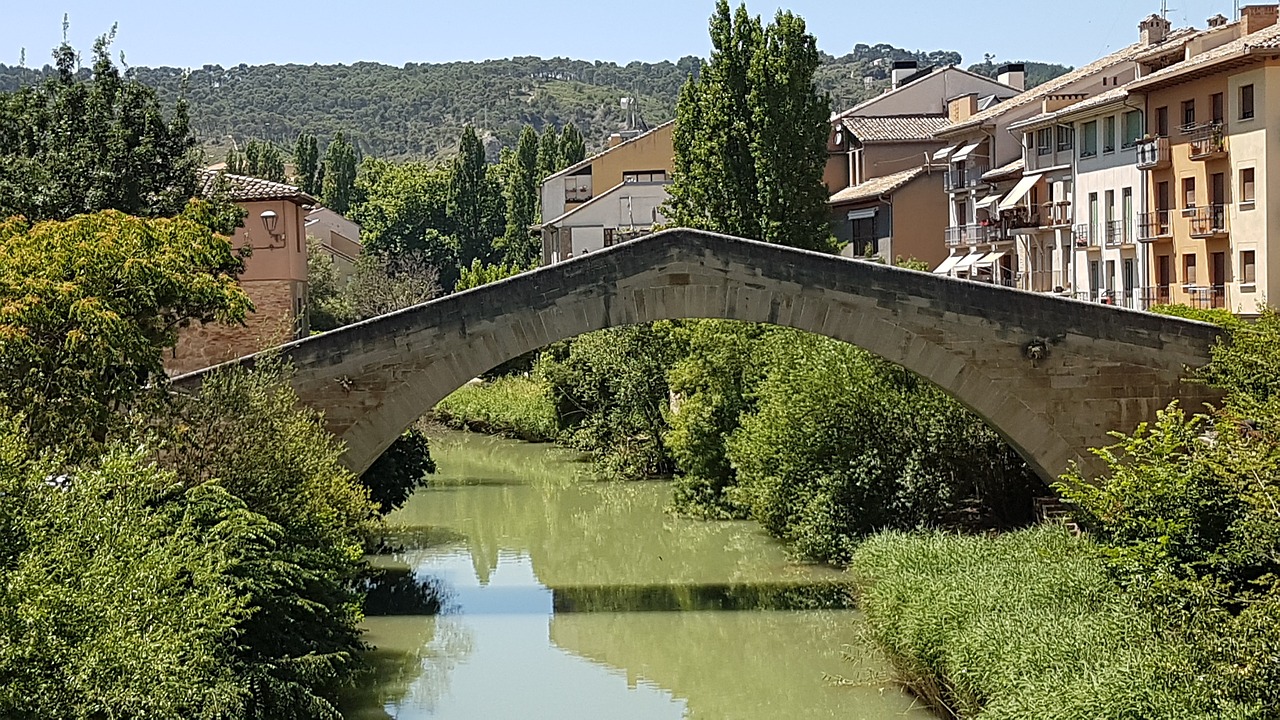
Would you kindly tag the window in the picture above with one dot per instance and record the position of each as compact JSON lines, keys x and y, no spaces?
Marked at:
{"x":1188,"y":113}
{"x":645,"y":176}
{"x":1089,"y":139}
{"x":1246,"y":102}
{"x":1162,"y":121}
{"x":1189,"y":269}
{"x":577,"y":188}
{"x":609,"y":237}
{"x":1162,"y":195}
{"x":1246,"y":186}
{"x":1189,"y":193}
{"x":1248,"y":267}
{"x":1044,"y":141}
{"x":1066,"y":137}
{"x":1132,"y":129}
{"x":1215,"y":106}
{"x":1109,"y":134}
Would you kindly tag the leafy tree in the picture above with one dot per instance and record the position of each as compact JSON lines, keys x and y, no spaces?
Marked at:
{"x":403,"y":468}
{"x":79,"y":143}
{"x":259,"y":159}
{"x":473,"y":201}
{"x":339,"y":174}
{"x":573,"y":148}
{"x":479,"y":274}
{"x":750,"y":135}
{"x":329,"y":307}
{"x":518,"y":245}
{"x":548,"y":154}
{"x":406,"y":209}
{"x":386,"y":282}
{"x":90,"y":305}
{"x":306,"y":163}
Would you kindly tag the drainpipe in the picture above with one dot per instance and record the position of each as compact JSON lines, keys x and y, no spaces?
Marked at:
{"x":1144,"y":194}
{"x":1071,"y":240}
{"x":888,"y":202}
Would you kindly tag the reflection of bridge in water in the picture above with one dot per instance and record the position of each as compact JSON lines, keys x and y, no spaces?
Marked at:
{"x":1053,"y":376}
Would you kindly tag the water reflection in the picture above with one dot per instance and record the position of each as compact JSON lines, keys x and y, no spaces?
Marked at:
{"x":563,"y":597}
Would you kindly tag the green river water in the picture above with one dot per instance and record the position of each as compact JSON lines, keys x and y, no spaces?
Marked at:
{"x":562,"y":597}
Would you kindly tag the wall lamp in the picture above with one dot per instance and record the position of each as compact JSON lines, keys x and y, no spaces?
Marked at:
{"x":269,"y":221}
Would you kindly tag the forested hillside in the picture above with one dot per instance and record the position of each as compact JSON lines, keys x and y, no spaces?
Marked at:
{"x":417,"y":111}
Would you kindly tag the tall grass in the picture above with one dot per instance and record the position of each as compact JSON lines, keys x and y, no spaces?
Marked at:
{"x":1021,"y":626}
{"x":513,"y":405}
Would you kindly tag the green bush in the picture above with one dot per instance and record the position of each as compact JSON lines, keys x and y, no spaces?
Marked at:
{"x":513,"y":405}
{"x":1025,"y":625}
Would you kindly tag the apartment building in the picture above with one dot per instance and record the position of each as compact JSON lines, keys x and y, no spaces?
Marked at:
{"x":1207,"y":153}
{"x":1028,"y":230}
{"x":609,"y":197}
{"x":883,"y":200}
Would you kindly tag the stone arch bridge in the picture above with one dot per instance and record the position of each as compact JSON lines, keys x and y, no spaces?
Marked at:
{"x":1051,"y":375}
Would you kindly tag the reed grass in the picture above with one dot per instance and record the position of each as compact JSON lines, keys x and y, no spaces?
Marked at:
{"x":514,"y":405}
{"x":1020,"y":626}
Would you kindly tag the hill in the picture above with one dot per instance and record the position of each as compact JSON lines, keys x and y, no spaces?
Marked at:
{"x":416,"y":111}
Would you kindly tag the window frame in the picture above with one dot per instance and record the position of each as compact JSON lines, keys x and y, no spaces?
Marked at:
{"x":1109,"y":134}
{"x":1188,"y":114}
{"x":1088,"y":143}
{"x":1188,"y":187}
{"x":1249,"y":113}
{"x":1189,"y":273}
{"x":1249,"y":268}
{"x":1248,"y":198}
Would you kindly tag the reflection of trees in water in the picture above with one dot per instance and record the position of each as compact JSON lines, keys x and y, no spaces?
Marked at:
{"x":398,"y":591}
{"x":412,"y":660}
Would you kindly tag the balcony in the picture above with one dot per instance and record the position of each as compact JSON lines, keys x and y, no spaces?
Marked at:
{"x":1154,"y":154}
{"x":1083,"y":236}
{"x":1206,"y":298}
{"x":970,"y":234}
{"x":1207,"y":141}
{"x":1118,"y":233}
{"x":1153,"y":226}
{"x":1157,"y":295}
{"x":956,"y":180}
{"x":1055,"y":214}
{"x":1209,"y":221}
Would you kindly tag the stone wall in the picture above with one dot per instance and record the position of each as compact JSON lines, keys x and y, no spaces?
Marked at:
{"x":272,"y":323}
{"x":1053,"y":376}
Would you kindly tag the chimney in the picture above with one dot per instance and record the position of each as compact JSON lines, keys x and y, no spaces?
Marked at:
{"x":1054,"y":103}
{"x":615,"y":139}
{"x":903,"y":69}
{"x":1217,"y":21}
{"x":1256,"y":17}
{"x":1014,"y":75}
{"x":962,"y":108}
{"x":1154,"y":29}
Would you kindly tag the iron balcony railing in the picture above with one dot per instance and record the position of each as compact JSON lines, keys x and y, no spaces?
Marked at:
{"x":1207,"y":141}
{"x":1055,"y":214}
{"x":1084,"y":235}
{"x":1118,"y":233}
{"x":1153,"y":226}
{"x":963,"y":179}
{"x":1153,"y":153}
{"x":969,"y":234}
{"x":1208,"y":221}
{"x":1156,"y":295}
{"x":1207,"y":297}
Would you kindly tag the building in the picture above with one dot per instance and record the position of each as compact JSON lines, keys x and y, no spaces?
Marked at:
{"x":609,"y":197}
{"x":1029,"y":226}
{"x":275,"y":274}
{"x":878,"y":161}
{"x":338,"y":236}
{"x":1207,"y":153}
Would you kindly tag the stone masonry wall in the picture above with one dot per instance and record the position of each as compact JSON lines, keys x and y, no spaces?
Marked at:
{"x":271,"y":324}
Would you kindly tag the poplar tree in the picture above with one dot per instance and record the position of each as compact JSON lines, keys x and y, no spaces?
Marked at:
{"x":306,"y":162}
{"x":573,"y":149}
{"x":473,"y":200}
{"x":522,"y":200}
{"x":750,"y":135}
{"x":339,"y":174}
{"x":548,"y":154}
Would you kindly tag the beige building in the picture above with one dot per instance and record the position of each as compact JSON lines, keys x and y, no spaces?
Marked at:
{"x":609,"y":197}
{"x":275,"y":275}
{"x":338,"y":236}
{"x":1208,"y":154}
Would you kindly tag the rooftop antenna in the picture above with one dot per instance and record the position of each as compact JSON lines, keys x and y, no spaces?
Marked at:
{"x":1164,"y":9}
{"x":1237,"y":10}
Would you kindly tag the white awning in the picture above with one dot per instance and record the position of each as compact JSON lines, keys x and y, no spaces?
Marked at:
{"x":864,"y":214}
{"x":991,"y":259}
{"x":968,"y":261}
{"x":947,"y":264}
{"x":1019,"y":191}
{"x":945,"y":152}
{"x":966,"y":151}
{"x":988,"y":201}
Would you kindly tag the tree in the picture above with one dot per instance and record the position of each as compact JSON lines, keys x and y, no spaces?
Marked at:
{"x":329,"y":306}
{"x":750,"y":135}
{"x":386,"y":282}
{"x":90,"y":305}
{"x":573,"y":148}
{"x":78,"y":143}
{"x":473,"y":200}
{"x":339,"y":174}
{"x":518,"y":245}
{"x":260,"y":159}
{"x":548,"y":154}
{"x":406,"y":208}
{"x":306,"y":163}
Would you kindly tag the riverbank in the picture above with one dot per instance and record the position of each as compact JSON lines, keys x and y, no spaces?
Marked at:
{"x":513,"y":406}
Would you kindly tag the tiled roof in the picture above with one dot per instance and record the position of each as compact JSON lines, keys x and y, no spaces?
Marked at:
{"x":1263,"y":42}
{"x":877,"y":186}
{"x":243,"y":188}
{"x":1061,"y":83}
{"x":944,"y":69}
{"x":894,"y":127}
{"x":1099,"y":100}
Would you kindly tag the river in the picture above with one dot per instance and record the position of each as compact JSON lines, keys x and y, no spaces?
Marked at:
{"x":559,"y":596}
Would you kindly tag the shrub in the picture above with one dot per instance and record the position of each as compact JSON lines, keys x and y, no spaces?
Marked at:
{"x":512,"y":405}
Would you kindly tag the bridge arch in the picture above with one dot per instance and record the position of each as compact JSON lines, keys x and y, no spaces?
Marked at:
{"x":1052,"y":376}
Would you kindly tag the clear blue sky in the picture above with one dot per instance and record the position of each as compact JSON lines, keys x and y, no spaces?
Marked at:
{"x":228,"y":32}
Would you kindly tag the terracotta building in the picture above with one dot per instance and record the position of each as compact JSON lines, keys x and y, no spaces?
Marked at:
{"x":275,"y":275}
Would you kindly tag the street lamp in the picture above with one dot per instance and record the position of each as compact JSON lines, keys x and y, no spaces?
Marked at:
{"x":269,"y":221}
